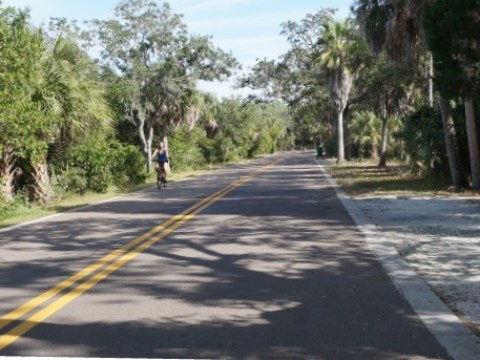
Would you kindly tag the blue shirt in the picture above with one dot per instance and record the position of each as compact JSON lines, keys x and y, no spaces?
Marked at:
{"x":162,"y":156}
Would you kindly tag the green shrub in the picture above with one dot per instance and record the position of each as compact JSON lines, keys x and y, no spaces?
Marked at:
{"x":73,"y":180}
{"x":261,"y":145}
{"x":365,"y":133}
{"x":217,"y":150}
{"x":91,"y":162}
{"x":424,"y":143}
{"x":331,"y":146}
{"x":224,"y":149}
{"x":186,"y":149}
{"x":129,"y":165}
{"x":207,"y":148}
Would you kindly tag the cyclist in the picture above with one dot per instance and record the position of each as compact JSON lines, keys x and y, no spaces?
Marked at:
{"x":161,"y":157}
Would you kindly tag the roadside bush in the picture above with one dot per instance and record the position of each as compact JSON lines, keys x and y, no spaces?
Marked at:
{"x":185,"y":150}
{"x":128,"y":166}
{"x":365,"y":132}
{"x":207,"y":149}
{"x":90,"y":162}
{"x":224,"y":149}
{"x":218,"y":150}
{"x":72,"y":180}
{"x":20,"y":202}
{"x":262,"y":144}
{"x":424,"y":144}
{"x":331,"y":146}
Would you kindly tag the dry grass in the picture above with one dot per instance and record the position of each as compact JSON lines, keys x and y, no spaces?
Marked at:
{"x":18,"y":213}
{"x":366,"y":178}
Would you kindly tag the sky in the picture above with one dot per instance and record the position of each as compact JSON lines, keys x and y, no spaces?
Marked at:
{"x":249,"y":29}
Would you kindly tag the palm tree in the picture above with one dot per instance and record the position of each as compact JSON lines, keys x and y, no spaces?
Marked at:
{"x":68,"y":91}
{"x":337,"y":47}
{"x":452,"y":34}
{"x":173,"y":100}
{"x":365,"y":130}
{"x":73,"y":88}
{"x":208,"y":116}
{"x":23,"y":126}
{"x":71,"y":100}
{"x":49,"y":95}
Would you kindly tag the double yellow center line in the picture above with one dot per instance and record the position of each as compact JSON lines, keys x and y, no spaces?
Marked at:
{"x":102,"y":268}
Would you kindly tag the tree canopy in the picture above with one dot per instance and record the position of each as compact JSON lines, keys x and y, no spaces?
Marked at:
{"x":384,"y":83}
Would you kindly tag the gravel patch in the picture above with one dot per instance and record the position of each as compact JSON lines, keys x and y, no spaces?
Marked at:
{"x":440,"y":239}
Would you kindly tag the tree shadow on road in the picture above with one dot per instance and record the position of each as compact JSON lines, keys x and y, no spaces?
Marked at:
{"x":271,"y":270}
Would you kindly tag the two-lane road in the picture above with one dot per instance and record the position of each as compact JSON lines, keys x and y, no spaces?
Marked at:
{"x":256,"y":261}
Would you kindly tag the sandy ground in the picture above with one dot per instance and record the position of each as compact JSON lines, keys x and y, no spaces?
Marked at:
{"x":440,"y":238}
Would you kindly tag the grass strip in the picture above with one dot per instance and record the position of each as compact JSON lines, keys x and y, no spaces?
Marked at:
{"x":365,"y":178}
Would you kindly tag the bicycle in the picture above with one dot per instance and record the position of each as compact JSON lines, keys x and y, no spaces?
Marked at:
{"x":161,"y":176}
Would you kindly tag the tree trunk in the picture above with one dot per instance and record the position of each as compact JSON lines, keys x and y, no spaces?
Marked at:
{"x":384,"y":143}
{"x":149,"y":149}
{"x":146,"y":138}
{"x":340,"y":84}
{"x":165,"y":141}
{"x":340,"y":142}
{"x":384,"y":104}
{"x":41,"y":190}
{"x":454,"y":161}
{"x":430,"y":78}
{"x":145,"y":133}
{"x":7,"y":176}
{"x":348,"y":138}
{"x":473,"y":143}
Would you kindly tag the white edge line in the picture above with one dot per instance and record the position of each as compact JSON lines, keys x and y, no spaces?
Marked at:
{"x":448,"y":329}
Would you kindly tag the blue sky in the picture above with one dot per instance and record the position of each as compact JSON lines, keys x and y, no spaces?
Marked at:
{"x":250,"y":29}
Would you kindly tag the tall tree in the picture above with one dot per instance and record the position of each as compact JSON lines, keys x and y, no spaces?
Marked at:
{"x":338,"y":47}
{"x":72,"y":87}
{"x":452,"y":29}
{"x":25,"y":126}
{"x":395,"y":26}
{"x":7,"y":161}
{"x":68,"y":89}
{"x":365,"y":130}
{"x":50,"y":95}
{"x":159,"y":61}
{"x":208,"y":116}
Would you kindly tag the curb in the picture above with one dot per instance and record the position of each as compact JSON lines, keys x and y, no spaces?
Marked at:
{"x":459,"y":342}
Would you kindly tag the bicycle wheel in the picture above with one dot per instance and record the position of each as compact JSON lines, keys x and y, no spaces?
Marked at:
{"x":159,"y":181}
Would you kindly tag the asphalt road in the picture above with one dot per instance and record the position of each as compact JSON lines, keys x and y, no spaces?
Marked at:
{"x":272,"y":267}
